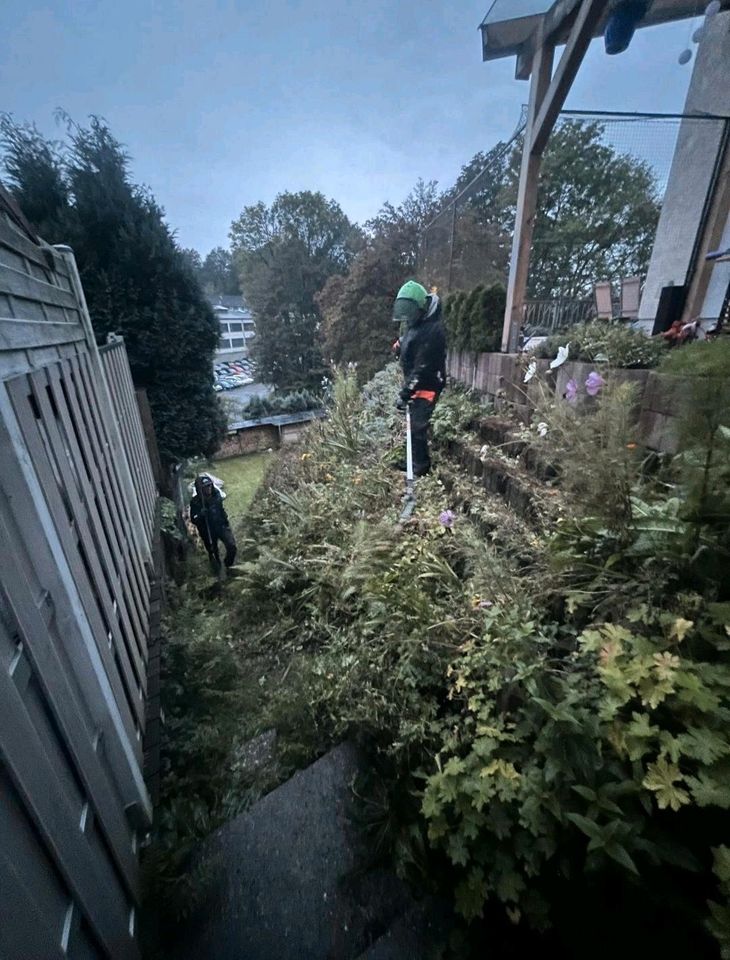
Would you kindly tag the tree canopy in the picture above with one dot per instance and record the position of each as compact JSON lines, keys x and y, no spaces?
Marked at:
{"x":285,"y":253}
{"x":137,"y":281}
{"x":597,"y":214}
{"x":357,"y":306}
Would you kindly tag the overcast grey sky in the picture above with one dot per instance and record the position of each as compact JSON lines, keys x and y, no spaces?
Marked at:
{"x":223,"y":103}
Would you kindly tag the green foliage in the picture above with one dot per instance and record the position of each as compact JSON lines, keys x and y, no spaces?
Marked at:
{"x":547,"y":708}
{"x":456,"y":413}
{"x":357,"y":307}
{"x":719,"y":922}
{"x":136,"y":280}
{"x":474,"y":320}
{"x":603,"y":341}
{"x":597,"y":214}
{"x":296,"y":402}
{"x":285,"y":253}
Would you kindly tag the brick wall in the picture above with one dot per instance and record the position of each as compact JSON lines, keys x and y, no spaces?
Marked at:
{"x":500,"y":376}
{"x":251,"y":440}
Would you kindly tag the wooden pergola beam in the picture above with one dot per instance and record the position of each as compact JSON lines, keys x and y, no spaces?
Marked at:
{"x":547,"y":97}
{"x":578,"y":42}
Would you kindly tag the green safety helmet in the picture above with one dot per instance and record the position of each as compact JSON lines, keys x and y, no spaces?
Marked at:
{"x":411,"y":302}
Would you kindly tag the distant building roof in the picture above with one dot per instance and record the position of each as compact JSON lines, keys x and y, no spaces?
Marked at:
{"x":229,"y":301}
{"x":277,"y":420}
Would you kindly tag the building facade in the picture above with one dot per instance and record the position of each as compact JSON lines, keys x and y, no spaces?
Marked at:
{"x":237,"y":328}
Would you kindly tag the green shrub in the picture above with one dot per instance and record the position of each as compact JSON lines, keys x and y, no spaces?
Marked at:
{"x":474,"y":320}
{"x":278,"y":403}
{"x":604,"y":341}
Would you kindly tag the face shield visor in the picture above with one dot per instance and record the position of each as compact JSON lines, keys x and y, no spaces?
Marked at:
{"x":406,"y":312}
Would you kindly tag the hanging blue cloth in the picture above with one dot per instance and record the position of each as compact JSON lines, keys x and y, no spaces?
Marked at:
{"x":622,"y":24}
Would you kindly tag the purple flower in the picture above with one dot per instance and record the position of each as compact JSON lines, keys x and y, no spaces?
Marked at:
{"x":571,"y":391}
{"x":485,"y":604}
{"x":446,"y":519}
{"x":594,"y":382}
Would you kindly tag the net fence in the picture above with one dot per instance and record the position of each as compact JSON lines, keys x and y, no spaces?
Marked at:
{"x":603,"y":181}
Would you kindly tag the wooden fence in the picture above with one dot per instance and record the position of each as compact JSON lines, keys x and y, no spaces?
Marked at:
{"x":77,"y":509}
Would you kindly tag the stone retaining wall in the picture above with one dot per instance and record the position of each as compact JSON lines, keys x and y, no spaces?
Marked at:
{"x":500,"y":376}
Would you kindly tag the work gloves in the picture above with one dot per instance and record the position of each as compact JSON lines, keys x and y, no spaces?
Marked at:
{"x":404,"y":398}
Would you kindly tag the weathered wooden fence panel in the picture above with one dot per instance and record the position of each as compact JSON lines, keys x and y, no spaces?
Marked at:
{"x":77,"y":509}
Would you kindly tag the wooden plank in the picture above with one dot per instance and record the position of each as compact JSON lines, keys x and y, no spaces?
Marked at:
{"x":19,"y":284}
{"x":105,"y":414}
{"x":84,"y":650}
{"x":124,"y":396}
{"x":132,"y":426}
{"x":100,"y":482}
{"x":581,"y":34}
{"x":57,"y":824}
{"x":83,"y":522}
{"x":38,"y":644}
{"x":28,"y":334}
{"x":134,"y":638}
{"x":18,"y":391}
{"x":29,"y":933}
{"x":97,"y":429}
{"x":526,"y":204}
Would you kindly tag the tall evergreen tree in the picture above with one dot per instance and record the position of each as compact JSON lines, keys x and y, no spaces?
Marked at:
{"x":137,"y":281}
{"x":285,"y":254}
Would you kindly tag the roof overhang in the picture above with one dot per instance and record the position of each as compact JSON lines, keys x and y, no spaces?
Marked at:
{"x":517,"y":37}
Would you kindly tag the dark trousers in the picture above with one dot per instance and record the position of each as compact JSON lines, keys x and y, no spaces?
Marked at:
{"x":210,"y":540}
{"x":421,"y":411}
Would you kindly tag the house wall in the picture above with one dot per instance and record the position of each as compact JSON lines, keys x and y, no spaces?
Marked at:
{"x":694,"y":160}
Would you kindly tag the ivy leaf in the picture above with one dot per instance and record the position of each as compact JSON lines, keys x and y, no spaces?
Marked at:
{"x":660,"y":779}
{"x":703,"y":744}
{"x":707,"y":792}
{"x":586,"y":793}
{"x":618,"y":853}
{"x":589,"y":827}
{"x":680,"y":628}
{"x":471,"y":894}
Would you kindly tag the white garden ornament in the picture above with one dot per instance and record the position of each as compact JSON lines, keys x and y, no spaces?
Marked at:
{"x":563,"y":353}
{"x":531,"y":371}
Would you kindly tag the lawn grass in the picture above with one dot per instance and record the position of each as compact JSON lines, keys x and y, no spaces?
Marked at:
{"x":241,"y":477}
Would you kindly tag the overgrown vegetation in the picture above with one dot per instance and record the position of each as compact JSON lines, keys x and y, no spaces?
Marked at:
{"x":547,"y":710}
{"x":603,"y":341}
{"x":295,"y":402}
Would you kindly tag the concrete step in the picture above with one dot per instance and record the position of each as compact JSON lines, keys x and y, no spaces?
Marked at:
{"x":290,"y":880}
{"x":419,"y":934}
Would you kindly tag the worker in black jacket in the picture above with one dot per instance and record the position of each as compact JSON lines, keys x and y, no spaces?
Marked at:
{"x":209,"y":516}
{"x":422,"y":349}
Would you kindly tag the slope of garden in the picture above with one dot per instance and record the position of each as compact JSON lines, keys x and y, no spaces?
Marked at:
{"x":535,"y":666}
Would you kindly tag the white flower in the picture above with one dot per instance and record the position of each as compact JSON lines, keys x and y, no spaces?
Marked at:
{"x":542,"y":429}
{"x":562,"y":356}
{"x":531,"y":371}
{"x":484,"y":452}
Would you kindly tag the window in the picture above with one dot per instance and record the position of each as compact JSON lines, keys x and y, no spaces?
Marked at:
{"x":237,"y":342}
{"x":235,"y":326}
{"x":224,"y":343}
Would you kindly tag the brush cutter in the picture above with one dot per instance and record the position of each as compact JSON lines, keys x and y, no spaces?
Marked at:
{"x":409,"y":500}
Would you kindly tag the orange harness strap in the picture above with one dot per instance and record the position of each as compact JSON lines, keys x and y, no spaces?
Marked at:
{"x":429,"y":395}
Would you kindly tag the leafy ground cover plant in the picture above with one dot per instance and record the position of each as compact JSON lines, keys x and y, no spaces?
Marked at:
{"x":602,"y":341}
{"x":545,"y":707}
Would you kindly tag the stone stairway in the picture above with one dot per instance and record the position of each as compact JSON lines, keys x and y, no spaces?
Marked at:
{"x":290,"y":880}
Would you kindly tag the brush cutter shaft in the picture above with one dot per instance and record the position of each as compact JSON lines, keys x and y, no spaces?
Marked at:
{"x":409,"y":446}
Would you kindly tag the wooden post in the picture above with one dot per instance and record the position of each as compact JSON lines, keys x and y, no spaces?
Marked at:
{"x":547,"y":96}
{"x":526,"y":201}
